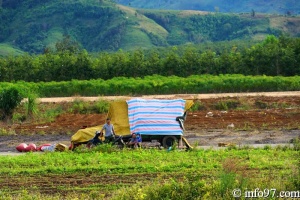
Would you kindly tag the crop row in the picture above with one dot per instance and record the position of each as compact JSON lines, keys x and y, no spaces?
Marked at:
{"x":157,"y":84}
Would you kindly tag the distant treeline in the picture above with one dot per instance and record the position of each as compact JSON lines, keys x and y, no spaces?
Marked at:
{"x":273,"y":57}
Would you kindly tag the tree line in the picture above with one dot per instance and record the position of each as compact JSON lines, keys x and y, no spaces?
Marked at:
{"x":273,"y":57}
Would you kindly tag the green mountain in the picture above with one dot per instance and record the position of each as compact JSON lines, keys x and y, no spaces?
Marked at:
{"x":228,"y":6}
{"x":102,"y":25}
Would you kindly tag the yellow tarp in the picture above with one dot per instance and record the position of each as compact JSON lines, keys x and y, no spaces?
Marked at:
{"x":84,"y":135}
{"x":188,"y":104}
{"x":118,"y":112}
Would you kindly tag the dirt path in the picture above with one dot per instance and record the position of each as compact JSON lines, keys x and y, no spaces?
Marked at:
{"x":173,"y":96}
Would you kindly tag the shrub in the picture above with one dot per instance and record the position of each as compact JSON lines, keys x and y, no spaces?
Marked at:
{"x":198,"y":105}
{"x":79,"y":106}
{"x":101,"y":106}
{"x":226,"y":105}
{"x":261,"y":104}
{"x":82,"y":107}
{"x":9,"y":99}
{"x":31,"y":105}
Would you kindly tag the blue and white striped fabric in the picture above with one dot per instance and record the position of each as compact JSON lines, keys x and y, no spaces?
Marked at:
{"x":153,"y":117}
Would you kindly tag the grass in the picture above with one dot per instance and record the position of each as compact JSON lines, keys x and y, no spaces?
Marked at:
{"x":144,"y":22}
{"x":140,"y":38}
{"x":241,"y":103}
{"x":84,"y":107}
{"x":226,"y":105}
{"x":7,"y":132}
{"x":54,"y":35}
{"x":117,"y":174}
{"x":34,"y":111}
{"x":8,"y":50}
{"x":198,"y":105}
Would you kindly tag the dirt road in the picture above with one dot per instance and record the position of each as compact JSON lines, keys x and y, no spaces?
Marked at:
{"x":174,"y":96}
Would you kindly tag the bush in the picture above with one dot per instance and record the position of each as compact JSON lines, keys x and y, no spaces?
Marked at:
{"x":31,"y":105}
{"x":82,"y":107}
{"x":101,"y":106}
{"x":198,"y":105}
{"x":261,"y":104}
{"x":227,"y":105}
{"x":9,"y":99}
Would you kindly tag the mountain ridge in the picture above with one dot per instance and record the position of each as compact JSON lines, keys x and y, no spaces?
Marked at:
{"x":224,"y":6}
{"x":102,"y":25}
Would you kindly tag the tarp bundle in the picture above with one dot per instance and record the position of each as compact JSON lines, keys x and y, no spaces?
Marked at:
{"x":155,"y":117}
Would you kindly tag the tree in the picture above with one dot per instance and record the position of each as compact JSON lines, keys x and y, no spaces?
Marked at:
{"x":9,"y":99}
{"x":67,"y":45}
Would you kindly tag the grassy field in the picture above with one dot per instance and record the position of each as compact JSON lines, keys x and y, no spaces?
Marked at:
{"x":109,"y":173}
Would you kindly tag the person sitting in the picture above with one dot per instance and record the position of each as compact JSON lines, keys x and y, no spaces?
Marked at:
{"x":139,"y":138}
{"x":135,"y":141}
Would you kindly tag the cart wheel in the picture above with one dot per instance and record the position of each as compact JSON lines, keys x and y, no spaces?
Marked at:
{"x":168,"y":141}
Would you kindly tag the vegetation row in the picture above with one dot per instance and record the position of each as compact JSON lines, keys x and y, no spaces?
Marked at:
{"x":273,"y":57}
{"x":157,"y":84}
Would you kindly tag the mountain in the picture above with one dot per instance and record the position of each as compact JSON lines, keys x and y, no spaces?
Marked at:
{"x":228,"y":6}
{"x":102,"y":25}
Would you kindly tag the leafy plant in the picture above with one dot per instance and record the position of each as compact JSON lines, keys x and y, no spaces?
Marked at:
{"x":31,"y":105}
{"x":50,"y":114}
{"x":198,"y":105}
{"x":226,"y":105}
{"x":18,"y":117}
{"x":7,"y":131}
{"x":9,"y":99}
{"x":296,"y":144}
{"x":80,"y":106}
{"x":261,"y":104}
{"x":101,"y":106}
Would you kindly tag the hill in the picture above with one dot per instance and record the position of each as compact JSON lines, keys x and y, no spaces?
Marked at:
{"x":228,"y":6}
{"x":102,"y":25}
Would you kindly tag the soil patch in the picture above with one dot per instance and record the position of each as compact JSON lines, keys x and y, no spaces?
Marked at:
{"x":276,"y":119}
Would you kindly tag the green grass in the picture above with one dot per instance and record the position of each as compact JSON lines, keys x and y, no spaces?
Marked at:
{"x":9,"y":50}
{"x":54,"y":35}
{"x":150,"y":173}
{"x":140,"y":38}
{"x":83,"y":107}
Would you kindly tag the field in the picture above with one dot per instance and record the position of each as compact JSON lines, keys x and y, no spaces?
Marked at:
{"x":242,"y":122}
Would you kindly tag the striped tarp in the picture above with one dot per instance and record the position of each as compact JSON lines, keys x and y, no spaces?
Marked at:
{"x":153,"y":117}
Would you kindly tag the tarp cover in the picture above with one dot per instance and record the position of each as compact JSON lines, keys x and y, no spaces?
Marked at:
{"x":155,"y":117}
{"x":118,"y":112}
